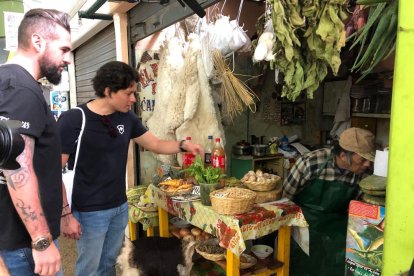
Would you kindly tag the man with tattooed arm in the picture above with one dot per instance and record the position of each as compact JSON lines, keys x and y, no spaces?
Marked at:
{"x":31,"y":196}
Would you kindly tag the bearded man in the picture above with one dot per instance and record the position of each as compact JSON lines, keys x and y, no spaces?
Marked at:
{"x":31,"y":193}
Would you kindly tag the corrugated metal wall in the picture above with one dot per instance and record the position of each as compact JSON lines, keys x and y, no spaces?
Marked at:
{"x":147,"y":18}
{"x":99,"y":50}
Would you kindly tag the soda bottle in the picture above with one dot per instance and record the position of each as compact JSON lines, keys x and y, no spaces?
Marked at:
{"x":218,"y":156}
{"x":208,"y":150}
{"x":188,"y":157}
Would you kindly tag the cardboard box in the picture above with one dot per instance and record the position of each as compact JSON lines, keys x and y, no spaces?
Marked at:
{"x":365,"y":239}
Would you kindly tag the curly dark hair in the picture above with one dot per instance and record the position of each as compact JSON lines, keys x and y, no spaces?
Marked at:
{"x":115,"y":75}
{"x":42,"y":21}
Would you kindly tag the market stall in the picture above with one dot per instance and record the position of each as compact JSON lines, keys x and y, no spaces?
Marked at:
{"x":232,"y":230}
{"x":302,"y":84}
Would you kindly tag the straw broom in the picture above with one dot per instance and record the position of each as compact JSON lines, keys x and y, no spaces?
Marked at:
{"x":235,"y":94}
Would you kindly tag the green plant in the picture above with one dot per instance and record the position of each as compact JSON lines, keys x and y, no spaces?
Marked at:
{"x":377,"y":38}
{"x":202,"y":174}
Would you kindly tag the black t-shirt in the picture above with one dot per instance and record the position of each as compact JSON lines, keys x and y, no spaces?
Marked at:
{"x":99,"y":182}
{"x":21,"y":98}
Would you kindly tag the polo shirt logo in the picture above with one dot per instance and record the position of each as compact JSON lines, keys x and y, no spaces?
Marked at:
{"x":120,"y":128}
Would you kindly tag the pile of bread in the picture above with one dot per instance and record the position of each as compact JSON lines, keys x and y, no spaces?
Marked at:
{"x":193,"y":233}
{"x":176,"y":186}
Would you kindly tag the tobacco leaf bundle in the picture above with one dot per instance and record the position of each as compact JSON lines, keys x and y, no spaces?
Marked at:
{"x":309,"y":38}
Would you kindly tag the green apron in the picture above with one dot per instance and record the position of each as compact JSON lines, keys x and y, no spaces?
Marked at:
{"x":324,"y":205}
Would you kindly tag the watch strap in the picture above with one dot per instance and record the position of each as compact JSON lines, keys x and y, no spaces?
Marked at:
{"x":42,"y":243}
{"x":180,"y":145}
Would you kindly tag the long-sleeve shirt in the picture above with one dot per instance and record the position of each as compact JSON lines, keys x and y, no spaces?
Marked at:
{"x":312,"y":166}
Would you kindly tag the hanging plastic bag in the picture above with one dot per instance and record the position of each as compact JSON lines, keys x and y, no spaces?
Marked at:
{"x":238,"y":35}
{"x":219,"y":35}
{"x":264,"y":49}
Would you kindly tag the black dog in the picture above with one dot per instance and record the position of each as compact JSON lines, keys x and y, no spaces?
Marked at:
{"x":156,"y":256}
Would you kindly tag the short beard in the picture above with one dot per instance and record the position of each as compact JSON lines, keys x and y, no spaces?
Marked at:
{"x":50,"y":71}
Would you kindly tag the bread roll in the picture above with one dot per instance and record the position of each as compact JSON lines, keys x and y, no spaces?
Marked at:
{"x":184,"y":232}
{"x":196,"y":231}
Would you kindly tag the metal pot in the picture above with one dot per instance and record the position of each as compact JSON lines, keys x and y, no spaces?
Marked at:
{"x":242,"y":149}
{"x":259,"y":150}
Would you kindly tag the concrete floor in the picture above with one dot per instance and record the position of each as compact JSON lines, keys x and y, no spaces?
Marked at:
{"x":68,"y":254}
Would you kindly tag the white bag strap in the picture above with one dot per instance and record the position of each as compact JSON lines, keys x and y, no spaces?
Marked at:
{"x":79,"y":137}
{"x":239,"y":12}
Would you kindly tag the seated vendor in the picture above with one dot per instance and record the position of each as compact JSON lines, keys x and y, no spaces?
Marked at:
{"x":322,"y":183}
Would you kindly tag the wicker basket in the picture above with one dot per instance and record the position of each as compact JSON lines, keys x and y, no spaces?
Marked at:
{"x":262,"y":197}
{"x":210,"y":256}
{"x":263,"y":186}
{"x":232,"y":201}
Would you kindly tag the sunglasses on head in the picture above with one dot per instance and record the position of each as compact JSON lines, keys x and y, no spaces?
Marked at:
{"x":107,"y":123}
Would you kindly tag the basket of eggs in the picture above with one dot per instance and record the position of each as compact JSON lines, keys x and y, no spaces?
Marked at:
{"x":259,"y":181}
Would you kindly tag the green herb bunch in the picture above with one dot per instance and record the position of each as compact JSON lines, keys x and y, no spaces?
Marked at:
{"x":202,"y":174}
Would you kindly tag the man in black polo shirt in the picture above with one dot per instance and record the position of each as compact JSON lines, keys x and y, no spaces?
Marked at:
{"x":31,"y":200}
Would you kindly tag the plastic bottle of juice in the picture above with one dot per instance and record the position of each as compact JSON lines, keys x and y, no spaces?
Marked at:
{"x":218,"y":156}
{"x":188,"y":157}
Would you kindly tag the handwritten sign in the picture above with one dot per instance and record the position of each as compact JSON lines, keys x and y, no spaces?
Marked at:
{"x":11,"y":25}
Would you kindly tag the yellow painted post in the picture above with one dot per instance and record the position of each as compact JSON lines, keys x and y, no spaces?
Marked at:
{"x":163,"y":222}
{"x":283,"y":250}
{"x":233,"y":264}
{"x":399,"y":214}
{"x":132,"y":231}
{"x":150,"y":232}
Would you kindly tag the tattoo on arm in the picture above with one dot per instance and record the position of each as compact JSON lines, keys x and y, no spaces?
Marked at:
{"x":18,"y":178}
{"x":27,"y":214}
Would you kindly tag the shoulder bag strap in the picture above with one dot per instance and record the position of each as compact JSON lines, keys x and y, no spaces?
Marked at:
{"x":79,"y":137}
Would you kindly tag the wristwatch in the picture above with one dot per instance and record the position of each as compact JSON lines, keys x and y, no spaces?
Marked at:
{"x":42,"y":243}
{"x":180,"y":145}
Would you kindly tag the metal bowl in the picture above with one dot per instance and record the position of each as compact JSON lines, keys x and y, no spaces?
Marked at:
{"x":242,"y":150}
{"x":259,"y":150}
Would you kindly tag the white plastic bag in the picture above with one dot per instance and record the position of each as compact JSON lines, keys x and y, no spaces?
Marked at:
{"x":238,"y":37}
{"x":219,"y":35}
{"x":264,"y":49}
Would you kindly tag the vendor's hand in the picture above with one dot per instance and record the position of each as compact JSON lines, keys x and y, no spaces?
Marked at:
{"x":193,"y":148}
{"x":47,"y":262}
{"x":70,"y":227}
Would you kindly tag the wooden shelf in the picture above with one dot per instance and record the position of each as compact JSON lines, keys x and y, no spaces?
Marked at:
{"x":372,"y":115}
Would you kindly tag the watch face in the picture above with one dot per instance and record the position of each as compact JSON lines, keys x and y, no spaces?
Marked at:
{"x":41,"y":244}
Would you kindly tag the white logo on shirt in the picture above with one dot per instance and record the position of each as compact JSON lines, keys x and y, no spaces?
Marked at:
{"x":2,"y":118}
{"x":120,"y":129}
{"x":26,"y":125}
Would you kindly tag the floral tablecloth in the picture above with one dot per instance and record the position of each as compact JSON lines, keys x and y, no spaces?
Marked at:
{"x":232,"y":230}
{"x":147,"y":219}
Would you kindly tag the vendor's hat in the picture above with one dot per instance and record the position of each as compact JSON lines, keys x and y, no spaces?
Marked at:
{"x":360,"y":141}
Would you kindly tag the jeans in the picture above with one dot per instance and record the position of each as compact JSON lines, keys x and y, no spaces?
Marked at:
{"x":101,"y":240}
{"x":20,"y":262}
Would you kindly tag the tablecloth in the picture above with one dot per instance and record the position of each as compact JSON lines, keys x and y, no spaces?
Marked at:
{"x":232,"y":230}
